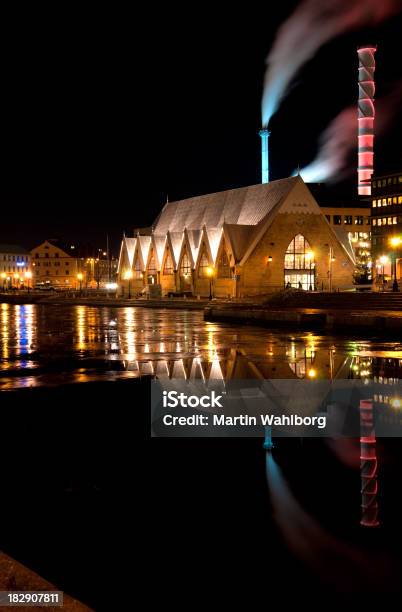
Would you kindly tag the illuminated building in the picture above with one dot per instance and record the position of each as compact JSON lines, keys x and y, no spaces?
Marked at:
{"x":386,"y":221}
{"x":55,"y":264}
{"x":351,"y":221}
{"x":15,"y":264}
{"x":256,"y":239}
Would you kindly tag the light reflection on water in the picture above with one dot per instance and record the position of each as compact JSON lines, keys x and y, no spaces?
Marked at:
{"x":48,"y":345}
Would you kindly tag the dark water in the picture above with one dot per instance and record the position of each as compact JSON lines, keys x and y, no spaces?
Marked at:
{"x":73,"y":463}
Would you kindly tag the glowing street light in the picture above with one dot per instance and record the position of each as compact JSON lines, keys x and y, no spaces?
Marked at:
{"x":210,"y":273}
{"x":383,"y":260}
{"x":80,"y":276}
{"x":395,"y":242}
{"x":28,"y":276}
{"x":310,"y":258}
{"x":128,"y":276}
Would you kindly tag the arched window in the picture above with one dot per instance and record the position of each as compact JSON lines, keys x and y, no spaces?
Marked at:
{"x":203,"y":267}
{"x":299,"y":264}
{"x":168,"y":267}
{"x":137,"y":269}
{"x":185,"y":266}
{"x":223,"y":264}
{"x":298,"y":254}
{"x":152,"y":265}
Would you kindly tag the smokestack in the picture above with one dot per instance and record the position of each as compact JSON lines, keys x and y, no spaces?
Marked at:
{"x":366,"y":118}
{"x":264,"y":133}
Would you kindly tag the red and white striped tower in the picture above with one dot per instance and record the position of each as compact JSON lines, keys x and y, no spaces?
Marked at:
{"x":368,"y":465}
{"x":366,"y":114}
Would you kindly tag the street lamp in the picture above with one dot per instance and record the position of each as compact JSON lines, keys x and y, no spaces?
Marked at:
{"x":210,"y":273}
{"x":80,"y":276}
{"x":383,"y":261}
{"x":28,"y":276}
{"x":128,"y":276}
{"x":395,"y":243}
{"x":310,"y":258}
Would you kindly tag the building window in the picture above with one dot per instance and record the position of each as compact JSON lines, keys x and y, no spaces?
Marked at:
{"x":56,"y":254}
{"x":374,"y":203}
{"x":295,"y":258}
{"x":394,"y":200}
{"x":299,"y":264}
{"x":374,"y":184}
{"x":384,"y":201}
{"x":374,"y":221}
{"x":168,"y":267}
{"x":389,"y":201}
{"x":389,"y":220}
{"x":137,"y":269}
{"x":223,"y":265}
{"x":399,"y":199}
{"x":394,"y":220}
{"x":152,"y":265}
{"x":203,"y":267}
{"x":328,"y":217}
{"x":337,"y":220}
{"x":359,"y":220}
{"x":47,"y":255}
{"x":185,"y":266}
{"x":400,"y":179}
{"x":348,"y":220}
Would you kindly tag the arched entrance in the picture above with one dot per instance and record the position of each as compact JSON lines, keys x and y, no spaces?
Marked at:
{"x":299,"y":264}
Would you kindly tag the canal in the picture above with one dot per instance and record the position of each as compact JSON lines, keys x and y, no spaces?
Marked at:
{"x":73,"y":460}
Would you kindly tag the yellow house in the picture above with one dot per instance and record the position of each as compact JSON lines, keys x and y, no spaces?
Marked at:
{"x":55,"y":264}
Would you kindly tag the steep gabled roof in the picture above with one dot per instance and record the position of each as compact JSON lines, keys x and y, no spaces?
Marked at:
{"x":244,"y":206}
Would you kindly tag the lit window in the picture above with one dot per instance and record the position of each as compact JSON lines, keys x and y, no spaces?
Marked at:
{"x":137,"y":268}
{"x":400,"y":179}
{"x":223,"y":265}
{"x":399,"y":199}
{"x":384,"y":202}
{"x":185,"y":266}
{"x":359,"y":220}
{"x":152,"y":265}
{"x":374,"y":221}
{"x":389,"y":202}
{"x":374,"y":203}
{"x":295,"y":258}
{"x":394,"y":200}
{"x":168,"y":267}
{"x":337,"y":220}
{"x":379,"y":222}
{"x":394,"y":220}
{"x":348,"y":220}
{"x":389,"y":220}
{"x":204,"y":265}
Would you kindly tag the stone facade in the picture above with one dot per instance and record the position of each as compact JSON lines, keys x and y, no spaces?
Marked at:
{"x":287,"y":241}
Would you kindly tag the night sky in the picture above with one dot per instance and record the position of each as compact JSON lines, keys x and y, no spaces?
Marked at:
{"x":101,"y":121}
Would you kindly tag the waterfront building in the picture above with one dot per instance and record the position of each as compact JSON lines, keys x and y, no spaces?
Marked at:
{"x":15,"y":266}
{"x":241,"y":242}
{"x":386,"y":212}
{"x":56,"y":264}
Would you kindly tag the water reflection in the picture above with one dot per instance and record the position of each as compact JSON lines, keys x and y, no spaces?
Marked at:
{"x":90,"y":343}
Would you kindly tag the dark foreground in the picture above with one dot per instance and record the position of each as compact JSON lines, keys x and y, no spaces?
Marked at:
{"x":76,"y":509}
{"x":72,"y":473}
